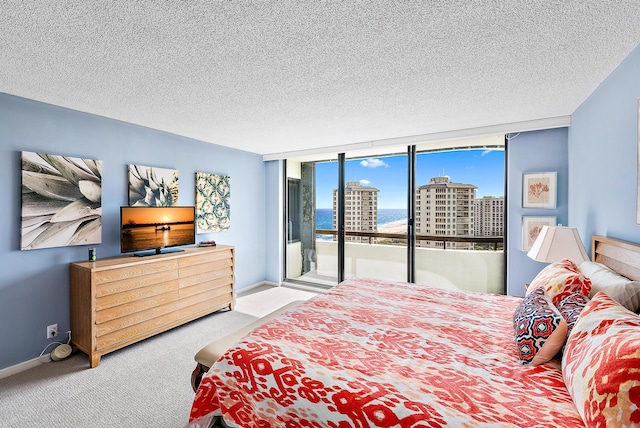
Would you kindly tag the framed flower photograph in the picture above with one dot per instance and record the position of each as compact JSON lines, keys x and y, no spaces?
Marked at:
{"x":531,"y":227}
{"x":539,"y":190}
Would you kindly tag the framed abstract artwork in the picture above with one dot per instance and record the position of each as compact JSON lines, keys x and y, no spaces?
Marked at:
{"x":152,"y":187}
{"x":61,"y":201}
{"x":531,"y":227}
{"x":213,"y":200}
{"x":539,"y":190}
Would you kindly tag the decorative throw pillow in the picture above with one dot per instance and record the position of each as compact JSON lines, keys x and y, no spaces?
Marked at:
{"x":616,"y":286}
{"x":540,"y":330}
{"x":570,"y":309}
{"x":560,"y":279}
{"x":601,"y":364}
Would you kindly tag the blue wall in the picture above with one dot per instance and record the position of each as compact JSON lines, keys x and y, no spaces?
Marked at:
{"x":536,"y":151}
{"x":603,"y":156}
{"x":34,"y":285}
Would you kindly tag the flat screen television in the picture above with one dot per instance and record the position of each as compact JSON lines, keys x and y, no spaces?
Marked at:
{"x":145,"y":231}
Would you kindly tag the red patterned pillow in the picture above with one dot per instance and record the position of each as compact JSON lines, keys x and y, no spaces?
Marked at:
{"x":601,"y":364}
{"x":561,"y":279}
{"x":540,"y":330}
{"x":570,"y":309}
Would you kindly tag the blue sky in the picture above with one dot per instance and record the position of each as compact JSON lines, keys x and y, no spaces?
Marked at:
{"x":482,"y":168}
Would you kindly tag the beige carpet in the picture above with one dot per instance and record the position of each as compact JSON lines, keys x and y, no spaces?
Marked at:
{"x":143,"y":385}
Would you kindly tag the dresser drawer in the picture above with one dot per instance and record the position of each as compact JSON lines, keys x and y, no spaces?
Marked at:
{"x":206,"y":258}
{"x":158,"y":295}
{"x":211,"y":287}
{"x":198,"y":278}
{"x":211,"y":268}
{"x":116,"y":293}
{"x":126,"y":319}
{"x":134,"y":270}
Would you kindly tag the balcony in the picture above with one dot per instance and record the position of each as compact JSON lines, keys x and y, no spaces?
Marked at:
{"x":471,"y":270}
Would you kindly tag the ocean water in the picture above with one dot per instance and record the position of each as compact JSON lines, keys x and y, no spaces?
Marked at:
{"x":386,"y":216}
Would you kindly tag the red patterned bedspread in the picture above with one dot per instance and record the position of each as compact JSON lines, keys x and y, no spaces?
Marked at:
{"x":373,"y":353}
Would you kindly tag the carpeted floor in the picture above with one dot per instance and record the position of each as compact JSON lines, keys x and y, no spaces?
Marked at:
{"x":143,"y":385}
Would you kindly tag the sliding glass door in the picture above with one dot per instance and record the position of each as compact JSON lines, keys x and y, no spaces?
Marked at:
{"x":459,"y":219}
{"x":312,"y":246}
{"x":376,"y":216}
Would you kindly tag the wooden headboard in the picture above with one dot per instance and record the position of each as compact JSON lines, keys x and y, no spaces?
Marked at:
{"x":621,"y":256}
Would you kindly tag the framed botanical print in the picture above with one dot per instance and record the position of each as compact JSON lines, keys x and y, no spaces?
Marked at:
{"x":539,"y":190}
{"x":531,"y":227}
{"x":213,"y":200}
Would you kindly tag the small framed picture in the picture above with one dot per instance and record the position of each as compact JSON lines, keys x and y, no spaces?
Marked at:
{"x":539,"y":190}
{"x":531,"y":227}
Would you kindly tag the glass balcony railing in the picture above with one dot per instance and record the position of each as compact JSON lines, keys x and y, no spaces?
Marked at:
{"x":384,"y":255}
{"x":488,"y":242}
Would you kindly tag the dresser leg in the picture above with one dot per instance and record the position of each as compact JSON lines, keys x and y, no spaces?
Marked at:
{"x":94,"y":360}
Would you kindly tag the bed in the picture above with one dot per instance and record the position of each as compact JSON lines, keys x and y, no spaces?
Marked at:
{"x":372,"y":353}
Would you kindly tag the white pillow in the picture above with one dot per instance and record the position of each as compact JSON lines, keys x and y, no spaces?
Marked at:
{"x":616,"y":286}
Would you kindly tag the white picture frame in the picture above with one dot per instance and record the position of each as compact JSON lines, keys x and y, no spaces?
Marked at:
{"x":539,"y":190}
{"x":531,"y":227}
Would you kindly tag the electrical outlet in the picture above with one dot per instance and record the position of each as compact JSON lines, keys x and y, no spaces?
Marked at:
{"x":52,"y":331}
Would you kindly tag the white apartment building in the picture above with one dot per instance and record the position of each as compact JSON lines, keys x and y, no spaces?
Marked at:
{"x":361,"y":210}
{"x":447,"y":209}
{"x":489,"y":216}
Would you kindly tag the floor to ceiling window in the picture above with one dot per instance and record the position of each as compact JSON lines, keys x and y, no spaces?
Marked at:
{"x":454,"y":217}
{"x":459,"y":205}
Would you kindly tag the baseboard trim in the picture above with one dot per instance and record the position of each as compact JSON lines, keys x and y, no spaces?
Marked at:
{"x":271,"y":283}
{"x":305,"y":287}
{"x":256,"y":285}
{"x":26,"y":365}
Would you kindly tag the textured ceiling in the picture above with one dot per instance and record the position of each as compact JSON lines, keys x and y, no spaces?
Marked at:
{"x":279,"y":76}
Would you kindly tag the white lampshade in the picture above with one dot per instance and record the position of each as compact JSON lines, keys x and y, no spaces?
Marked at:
{"x":555,"y":243}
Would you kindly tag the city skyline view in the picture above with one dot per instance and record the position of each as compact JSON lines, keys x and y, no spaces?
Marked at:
{"x":481,"y":168}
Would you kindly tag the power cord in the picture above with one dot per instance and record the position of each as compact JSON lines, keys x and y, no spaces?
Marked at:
{"x":56,"y":343}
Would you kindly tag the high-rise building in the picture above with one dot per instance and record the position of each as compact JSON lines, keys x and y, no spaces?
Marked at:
{"x":447,"y":209}
{"x":489,"y":216}
{"x":361,"y":210}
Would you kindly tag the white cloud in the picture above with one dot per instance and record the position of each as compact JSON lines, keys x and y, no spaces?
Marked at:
{"x":373,"y":163}
{"x":364,"y":182}
{"x":495,"y":149}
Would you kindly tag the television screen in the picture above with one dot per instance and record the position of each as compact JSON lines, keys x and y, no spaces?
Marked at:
{"x":155,"y":230}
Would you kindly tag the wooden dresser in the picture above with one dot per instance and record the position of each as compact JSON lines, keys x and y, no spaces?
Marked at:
{"x":121,"y":300}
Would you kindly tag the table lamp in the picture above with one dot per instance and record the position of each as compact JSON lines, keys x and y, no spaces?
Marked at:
{"x":555,"y":243}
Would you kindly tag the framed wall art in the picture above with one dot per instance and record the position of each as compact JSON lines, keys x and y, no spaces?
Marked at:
{"x":539,"y":190}
{"x":152,"y":187}
{"x":61,"y":201}
{"x":531,"y":227}
{"x":213,"y":200}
